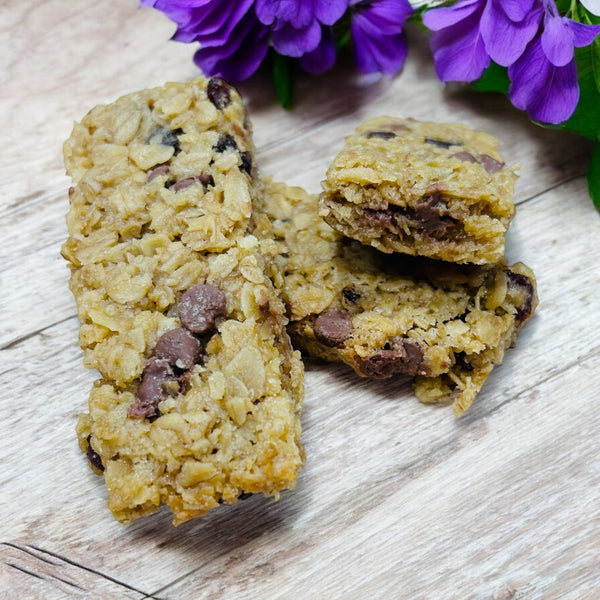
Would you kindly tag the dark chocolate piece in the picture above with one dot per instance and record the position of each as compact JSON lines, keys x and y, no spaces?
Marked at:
{"x":333,"y":327}
{"x":180,"y":348}
{"x":402,"y":356}
{"x":219,"y":92}
{"x":93,"y":456}
{"x":152,"y":391}
{"x":200,"y":306}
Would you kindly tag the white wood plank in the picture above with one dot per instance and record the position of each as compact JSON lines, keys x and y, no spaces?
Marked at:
{"x":32,"y":573}
{"x":397,"y":499}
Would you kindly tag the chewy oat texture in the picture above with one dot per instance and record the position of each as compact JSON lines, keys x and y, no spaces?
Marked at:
{"x":429,"y":189}
{"x":444,"y":324}
{"x":201,"y":392}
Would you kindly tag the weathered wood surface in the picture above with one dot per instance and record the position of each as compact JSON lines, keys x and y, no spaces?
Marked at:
{"x":397,"y":500}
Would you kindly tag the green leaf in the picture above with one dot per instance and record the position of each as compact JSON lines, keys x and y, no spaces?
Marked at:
{"x":586,"y":119}
{"x":494,"y":79}
{"x":593,"y":176}
{"x":595,"y":52}
{"x":283,"y":79}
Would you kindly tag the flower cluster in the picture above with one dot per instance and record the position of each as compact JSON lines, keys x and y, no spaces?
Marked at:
{"x":530,"y":37}
{"x":235,"y":36}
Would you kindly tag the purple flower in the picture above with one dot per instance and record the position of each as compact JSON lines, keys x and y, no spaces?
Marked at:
{"x":527,"y":36}
{"x":458,"y":48}
{"x":296,"y":24}
{"x":233,"y":42}
{"x":544,"y":78}
{"x":377,"y":33}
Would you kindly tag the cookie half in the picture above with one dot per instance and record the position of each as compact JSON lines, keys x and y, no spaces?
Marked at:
{"x":444,"y":324}
{"x":429,"y":189}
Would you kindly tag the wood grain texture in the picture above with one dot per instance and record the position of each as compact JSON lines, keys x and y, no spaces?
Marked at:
{"x":397,"y":499}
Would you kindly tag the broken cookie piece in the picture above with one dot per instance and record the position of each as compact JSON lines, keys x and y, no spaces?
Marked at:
{"x":446,"y":325}
{"x":429,"y":189}
{"x":200,"y":392}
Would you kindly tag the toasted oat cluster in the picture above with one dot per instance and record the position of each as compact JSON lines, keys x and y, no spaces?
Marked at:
{"x":200,"y":396}
{"x":444,"y":324}
{"x":428,"y":189}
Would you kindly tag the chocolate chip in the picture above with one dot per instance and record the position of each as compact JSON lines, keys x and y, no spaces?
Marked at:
{"x":461,"y":360}
{"x":350,"y":294}
{"x":524,"y":287}
{"x":491,"y":165}
{"x":401,"y":356}
{"x":245,"y":495}
{"x":246,"y":162}
{"x":199,"y":307}
{"x":429,"y":212}
{"x":152,"y":389}
{"x":93,"y":456}
{"x":157,"y":172}
{"x":465,"y":157}
{"x":219,"y":92}
{"x":171,"y":138}
{"x":384,"y":135}
{"x":226,"y":142}
{"x":379,"y":218}
{"x":441,"y":143}
{"x":179,"y":347}
{"x":333,"y":327}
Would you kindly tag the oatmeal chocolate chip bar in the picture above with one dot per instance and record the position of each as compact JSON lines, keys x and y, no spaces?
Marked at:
{"x":428,"y":189}
{"x":445,"y":324}
{"x":200,"y":392}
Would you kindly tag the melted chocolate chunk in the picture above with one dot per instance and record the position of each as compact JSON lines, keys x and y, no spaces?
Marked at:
{"x":219,"y":92}
{"x":246,"y":164}
{"x":384,"y":135}
{"x":380,"y":218}
{"x":350,"y":294}
{"x":401,"y":356}
{"x":171,"y":138}
{"x":428,"y":211}
{"x":524,"y":287}
{"x":441,"y":143}
{"x":200,"y":306}
{"x":491,"y":165}
{"x":461,"y":360}
{"x":93,"y":456}
{"x":333,"y":327}
{"x":226,"y":142}
{"x":180,"y":348}
{"x":205,"y":179}
{"x":465,"y":157}
{"x":152,"y":389}
{"x":157,"y":172}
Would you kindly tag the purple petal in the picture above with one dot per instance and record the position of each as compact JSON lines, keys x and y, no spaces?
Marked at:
{"x":241,"y":57}
{"x":516,"y":10}
{"x":387,"y":16}
{"x":322,"y":57}
{"x":383,"y":54}
{"x":213,"y":24}
{"x":291,"y":41}
{"x":583,"y":35}
{"x":557,"y":41}
{"x":505,"y":40}
{"x":440,"y":18}
{"x":459,"y":52}
{"x":329,"y":11}
{"x":296,"y":13}
{"x":548,"y":93}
